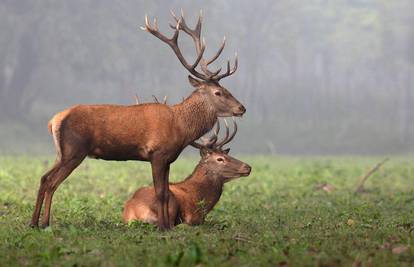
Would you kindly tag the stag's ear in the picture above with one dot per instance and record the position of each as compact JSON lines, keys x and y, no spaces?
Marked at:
{"x":204,"y":152}
{"x":194,"y":82}
{"x":226,"y":151}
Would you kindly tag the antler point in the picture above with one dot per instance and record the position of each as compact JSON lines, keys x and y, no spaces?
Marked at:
{"x":155,"y":24}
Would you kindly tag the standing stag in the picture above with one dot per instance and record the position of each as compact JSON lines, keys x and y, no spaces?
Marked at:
{"x":152,"y":132}
{"x":191,"y":199}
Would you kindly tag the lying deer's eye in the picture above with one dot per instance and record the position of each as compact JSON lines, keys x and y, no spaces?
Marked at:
{"x":217,"y":93}
{"x":220,"y":159}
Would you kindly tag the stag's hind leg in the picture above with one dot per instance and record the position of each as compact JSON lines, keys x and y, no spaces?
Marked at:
{"x":53,"y":183}
{"x":41,"y":194}
{"x":71,"y":149}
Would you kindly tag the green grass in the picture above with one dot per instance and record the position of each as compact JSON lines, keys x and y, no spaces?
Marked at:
{"x":275,"y":215}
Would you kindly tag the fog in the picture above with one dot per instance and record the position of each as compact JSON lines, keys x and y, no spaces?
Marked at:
{"x":316,"y":77}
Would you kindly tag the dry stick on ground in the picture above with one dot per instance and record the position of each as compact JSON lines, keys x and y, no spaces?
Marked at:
{"x":360,"y":187}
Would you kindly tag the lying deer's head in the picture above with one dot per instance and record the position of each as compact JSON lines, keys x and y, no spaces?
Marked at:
{"x":207,"y":85}
{"x":216,"y":159}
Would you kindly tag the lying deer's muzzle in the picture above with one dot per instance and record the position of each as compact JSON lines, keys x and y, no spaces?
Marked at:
{"x":245,"y":170}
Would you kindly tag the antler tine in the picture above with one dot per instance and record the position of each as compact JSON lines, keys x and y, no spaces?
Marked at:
{"x":196,"y":35}
{"x":208,"y":62}
{"x":155,"y":24}
{"x":200,"y":56}
{"x":232,"y":135}
{"x":154,"y":31}
{"x":155,"y":99}
{"x":208,"y":142}
{"x":196,"y":145}
{"x":136,"y":99}
{"x":214,"y":138}
{"x":173,"y":43}
{"x":217,"y":130}
{"x":228,"y":72}
{"x":204,"y":63}
{"x":200,"y":45}
{"x":199,"y":22}
{"x":222,"y":142}
{"x":174,"y":16}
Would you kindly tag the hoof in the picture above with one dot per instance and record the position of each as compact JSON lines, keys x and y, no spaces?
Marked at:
{"x":33,"y":225}
{"x":44,"y":226}
{"x":164,"y":228}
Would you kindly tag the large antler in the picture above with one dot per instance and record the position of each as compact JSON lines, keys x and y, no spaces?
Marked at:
{"x":200,"y":47}
{"x":212,"y":142}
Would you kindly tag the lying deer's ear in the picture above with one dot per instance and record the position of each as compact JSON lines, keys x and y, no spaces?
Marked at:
{"x":204,"y":152}
{"x":194,"y":82}
{"x":226,"y":151}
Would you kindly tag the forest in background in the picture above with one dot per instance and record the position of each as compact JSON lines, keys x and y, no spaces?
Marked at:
{"x":317,"y":76}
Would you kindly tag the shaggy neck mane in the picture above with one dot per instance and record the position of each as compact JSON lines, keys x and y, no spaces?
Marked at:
{"x":195,"y":115}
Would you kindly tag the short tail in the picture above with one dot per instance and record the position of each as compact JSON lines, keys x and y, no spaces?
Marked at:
{"x":49,"y":126}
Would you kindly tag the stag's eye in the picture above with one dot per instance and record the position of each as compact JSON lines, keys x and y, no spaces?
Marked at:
{"x":217,"y":93}
{"x":220,"y":159}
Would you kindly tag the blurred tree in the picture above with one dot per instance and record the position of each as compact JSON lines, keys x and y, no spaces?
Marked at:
{"x":316,"y":76}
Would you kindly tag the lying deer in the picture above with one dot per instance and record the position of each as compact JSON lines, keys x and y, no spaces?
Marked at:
{"x":152,"y":132}
{"x":191,"y":199}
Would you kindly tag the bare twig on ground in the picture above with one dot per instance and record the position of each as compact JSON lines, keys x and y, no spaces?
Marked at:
{"x":360,"y":187}
{"x":238,"y":237}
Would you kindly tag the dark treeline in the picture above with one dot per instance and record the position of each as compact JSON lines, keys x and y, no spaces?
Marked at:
{"x":316,"y":76}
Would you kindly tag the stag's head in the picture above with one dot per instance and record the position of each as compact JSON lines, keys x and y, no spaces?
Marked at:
{"x":216,"y":159}
{"x":207,"y":85}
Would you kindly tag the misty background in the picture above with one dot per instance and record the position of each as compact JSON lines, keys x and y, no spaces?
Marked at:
{"x":316,"y":77}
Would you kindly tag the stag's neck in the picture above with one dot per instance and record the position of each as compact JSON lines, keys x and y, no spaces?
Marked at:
{"x":204,"y":186}
{"x":195,"y":115}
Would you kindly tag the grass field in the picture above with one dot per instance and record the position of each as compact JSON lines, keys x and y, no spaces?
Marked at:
{"x":274,"y":217}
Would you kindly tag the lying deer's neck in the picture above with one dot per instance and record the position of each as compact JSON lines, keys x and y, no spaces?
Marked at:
{"x":204,"y":186}
{"x":195,"y":115}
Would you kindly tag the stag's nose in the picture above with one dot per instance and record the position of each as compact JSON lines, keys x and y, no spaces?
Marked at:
{"x":242,"y":109}
{"x":245,"y":169}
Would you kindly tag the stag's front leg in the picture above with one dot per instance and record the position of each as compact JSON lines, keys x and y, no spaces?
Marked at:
{"x":166,"y":208}
{"x":160,"y":178}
